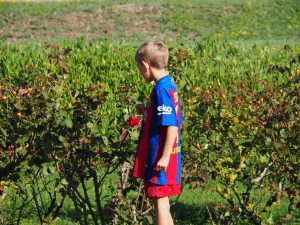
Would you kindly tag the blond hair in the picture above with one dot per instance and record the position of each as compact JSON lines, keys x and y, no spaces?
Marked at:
{"x":153,"y":52}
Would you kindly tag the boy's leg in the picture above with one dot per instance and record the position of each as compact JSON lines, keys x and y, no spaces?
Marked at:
{"x":171,"y":220}
{"x":162,"y":210}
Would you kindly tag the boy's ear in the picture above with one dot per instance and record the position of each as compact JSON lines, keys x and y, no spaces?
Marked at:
{"x":145,"y":64}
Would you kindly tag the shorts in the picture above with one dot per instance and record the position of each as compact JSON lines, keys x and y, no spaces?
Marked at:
{"x":155,"y":190}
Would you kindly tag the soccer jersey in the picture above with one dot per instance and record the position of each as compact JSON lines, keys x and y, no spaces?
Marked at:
{"x":163,"y":109}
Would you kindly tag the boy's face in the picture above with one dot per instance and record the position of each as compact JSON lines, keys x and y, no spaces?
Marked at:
{"x":144,"y":70}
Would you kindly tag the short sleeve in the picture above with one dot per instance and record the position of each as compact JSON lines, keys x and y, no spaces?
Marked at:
{"x":165,"y":107}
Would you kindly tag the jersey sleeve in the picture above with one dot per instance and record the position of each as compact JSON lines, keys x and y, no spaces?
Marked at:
{"x":165,"y":107}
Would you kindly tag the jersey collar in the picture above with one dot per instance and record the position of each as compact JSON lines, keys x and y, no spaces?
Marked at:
{"x":166,"y":77}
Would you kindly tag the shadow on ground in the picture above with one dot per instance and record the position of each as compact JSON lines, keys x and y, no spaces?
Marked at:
{"x":183,"y":214}
{"x":189,"y":215}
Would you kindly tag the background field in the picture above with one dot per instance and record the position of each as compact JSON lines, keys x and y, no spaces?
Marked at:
{"x":229,"y":41}
{"x":245,"y":21}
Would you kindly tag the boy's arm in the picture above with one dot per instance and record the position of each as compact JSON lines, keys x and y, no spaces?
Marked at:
{"x":140,"y":108}
{"x":163,"y":162}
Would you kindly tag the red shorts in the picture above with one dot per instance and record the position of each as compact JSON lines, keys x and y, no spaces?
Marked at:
{"x":155,"y":190}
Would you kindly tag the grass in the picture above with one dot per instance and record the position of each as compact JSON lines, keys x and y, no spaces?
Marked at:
{"x":245,"y":21}
{"x":194,"y":206}
{"x":10,"y":207}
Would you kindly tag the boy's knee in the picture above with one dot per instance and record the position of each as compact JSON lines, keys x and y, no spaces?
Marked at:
{"x":161,"y":204}
{"x":163,"y":208}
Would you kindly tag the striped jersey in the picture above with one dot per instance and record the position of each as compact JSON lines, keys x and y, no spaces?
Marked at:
{"x":162,"y":110}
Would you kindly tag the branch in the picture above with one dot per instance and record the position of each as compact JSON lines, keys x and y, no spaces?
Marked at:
{"x":87,"y":200}
{"x":261,"y":176}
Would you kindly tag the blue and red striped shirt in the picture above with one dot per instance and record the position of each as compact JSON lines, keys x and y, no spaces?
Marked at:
{"x":163,"y":110}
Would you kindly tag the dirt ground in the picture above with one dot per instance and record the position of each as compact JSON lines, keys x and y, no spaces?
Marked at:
{"x":122,"y":20}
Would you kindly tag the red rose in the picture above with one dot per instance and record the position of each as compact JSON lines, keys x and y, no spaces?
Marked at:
{"x":133,"y":121}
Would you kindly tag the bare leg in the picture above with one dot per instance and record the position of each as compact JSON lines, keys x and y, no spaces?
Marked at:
{"x":162,"y":210}
{"x":171,"y":220}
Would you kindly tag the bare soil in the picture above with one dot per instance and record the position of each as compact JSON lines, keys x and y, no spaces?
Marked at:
{"x":121,"y":20}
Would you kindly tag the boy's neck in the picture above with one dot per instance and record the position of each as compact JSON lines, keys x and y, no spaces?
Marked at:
{"x":158,"y":74}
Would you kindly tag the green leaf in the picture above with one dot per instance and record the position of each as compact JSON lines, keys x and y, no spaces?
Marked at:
{"x":45,"y":94}
{"x":149,"y":219}
{"x":76,"y":94}
{"x":45,"y":171}
{"x":270,"y":220}
{"x":227,"y":214}
{"x":230,"y":134}
{"x":105,"y":141}
{"x":134,"y":135}
{"x":235,"y":120}
{"x":68,"y":122}
{"x":205,"y":146}
{"x":61,"y":138}
{"x":90,"y":125}
{"x":24,"y":138}
{"x":228,"y":159}
{"x":282,"y":133}
{"x":236,"y":142}
{"x":212,"y":156}
{"x":268,"y":140}
{"x":17,"y":106}
{"x":58,"y":89}
{"x":223,"y":113}
{"x":3,"y":131}
{"x":64,"y":181}
{"x":51,"y":169}
{"x":264,"y":159}
{"x":182,"y":83}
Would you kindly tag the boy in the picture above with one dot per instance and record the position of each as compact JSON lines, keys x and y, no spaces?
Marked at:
{"x":158,"y":158}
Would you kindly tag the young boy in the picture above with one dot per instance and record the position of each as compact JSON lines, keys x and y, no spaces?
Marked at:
{"x":158,"y":157}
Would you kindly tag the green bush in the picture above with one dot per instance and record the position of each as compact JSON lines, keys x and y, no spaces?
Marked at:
{"x":64,"y":137}
{"x":249,"y":144}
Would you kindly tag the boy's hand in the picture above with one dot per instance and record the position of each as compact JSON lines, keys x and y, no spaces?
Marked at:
{"x":162,"y":164}
{"x":140,"y":108}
